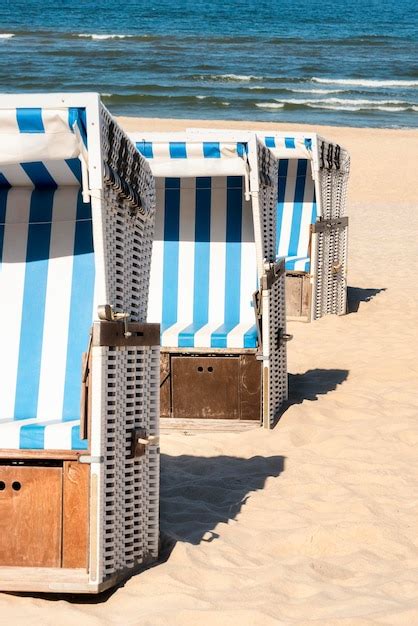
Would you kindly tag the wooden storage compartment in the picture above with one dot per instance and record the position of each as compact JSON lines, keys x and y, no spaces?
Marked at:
{"x":30,"y":516}
{"x":44,"y":514}
{"x":212,"y":387}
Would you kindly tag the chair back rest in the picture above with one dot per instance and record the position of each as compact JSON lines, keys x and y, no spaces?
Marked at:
{"x":203,"y":271}
{"x":297,"y":204}
{"x":46,"y":288}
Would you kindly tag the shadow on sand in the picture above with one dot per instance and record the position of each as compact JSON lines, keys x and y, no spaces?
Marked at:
{"x":314,"y":383}
{"x":356,"y":295}
{"x":197,"y":493}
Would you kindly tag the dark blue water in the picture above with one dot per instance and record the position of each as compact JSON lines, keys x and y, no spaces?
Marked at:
{"x":351,"y":62}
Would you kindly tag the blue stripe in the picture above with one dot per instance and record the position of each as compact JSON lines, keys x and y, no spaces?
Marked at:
{"x":201,"y":262}
{"x":297,"y":207}
{"x":314,"y":215}
{"x":242,"y":149}
{"x":145,"y":148}
{"x":251,"y":338}
{"x":3,"y":181}
{"x":3,"y":205}
{"x":289,"y":142}
{"x":30,"y":120}
{"x":78,"y":116}
{"x":75,"y":167}
{"x":211,"y":150}
{"x":39,"y":175}
{"x":171,"y":250}
{"x":232,"y":261}
{"x":32,"y":437}
{"x":177,"y":150}
{"x":283,"y":167}
{"x":270,"y":142}
{"x":33,"y":310}
{"x":81,"y":308}
{"x":76,"y":442}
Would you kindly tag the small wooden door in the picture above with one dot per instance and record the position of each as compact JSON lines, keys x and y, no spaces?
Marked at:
{"x":30,"y":516}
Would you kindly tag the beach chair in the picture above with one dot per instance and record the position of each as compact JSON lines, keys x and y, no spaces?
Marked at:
{"x":216,"y":286}
{"x":312,"y":226}
{"x":311,"y":222}
{"x":79,"y":372}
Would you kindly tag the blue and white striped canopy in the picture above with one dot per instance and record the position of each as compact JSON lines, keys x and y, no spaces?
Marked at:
{"x":204,"y":158}
{"x":47,"y":274}
{"x":297,"y":204}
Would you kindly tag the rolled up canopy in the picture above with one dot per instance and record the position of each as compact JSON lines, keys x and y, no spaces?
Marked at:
{"x":29,"y":135}
{"x":181,"y":159}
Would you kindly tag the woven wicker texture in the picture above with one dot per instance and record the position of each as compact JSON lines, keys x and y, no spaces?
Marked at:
{"x":331,"y":254}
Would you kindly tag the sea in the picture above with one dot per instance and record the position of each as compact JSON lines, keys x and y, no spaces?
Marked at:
{"x":338,"y":62}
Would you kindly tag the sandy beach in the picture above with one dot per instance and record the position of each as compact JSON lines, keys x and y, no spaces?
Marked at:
{"x":315,"y":522}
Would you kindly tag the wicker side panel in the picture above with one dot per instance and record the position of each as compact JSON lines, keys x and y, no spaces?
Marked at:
{"x":268,"y":180}
{"x":330,"y":292}
{"x":331,"y":271}
{"x":125,"y":168}
{"x":278,"y":388}
{"x":130,"y":486}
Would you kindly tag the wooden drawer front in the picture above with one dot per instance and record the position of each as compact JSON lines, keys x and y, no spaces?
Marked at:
{"x":30,"y":516}
{"x":205,"y":387}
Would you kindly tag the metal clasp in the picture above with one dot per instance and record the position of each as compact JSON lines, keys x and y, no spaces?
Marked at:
{"x":107,"y":314}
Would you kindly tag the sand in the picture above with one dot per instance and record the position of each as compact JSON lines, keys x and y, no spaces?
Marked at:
{"x":315,"y":522}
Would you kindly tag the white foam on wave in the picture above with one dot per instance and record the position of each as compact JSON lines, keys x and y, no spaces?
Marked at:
{"x":317,"y":91}
{"x":235,"y":77}
{"x":6,"y":35}
{"x":202,"y":97}
{"x":100,"y":37}
{"x":269,"y":105}
{"x":344,"y":102}
{"x":365,"y":82}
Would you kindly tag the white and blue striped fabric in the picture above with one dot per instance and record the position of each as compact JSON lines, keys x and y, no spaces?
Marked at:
{"x":204,"y":158}
{"x":47,"y":288}
{"x":203,"y":271}
{"x":297,"y":205}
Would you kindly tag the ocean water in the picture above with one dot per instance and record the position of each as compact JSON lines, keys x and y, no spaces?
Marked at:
{"x":351,"y":62}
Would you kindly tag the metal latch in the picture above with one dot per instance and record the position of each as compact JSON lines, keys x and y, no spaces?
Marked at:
{"x":107,"y":314}
{"x":140,"y":441}
{"x":283,"y":337}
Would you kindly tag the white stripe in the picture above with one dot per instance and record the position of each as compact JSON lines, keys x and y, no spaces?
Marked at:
{"x":16,"y":175}
{"x":186,"y":250}
{"x":217,"y":260}
{"x":61,"y":173}
{"x":155,"y":303}
{"x":9,"y":125}
{"x":57,"y":305}
{"x":235,"y":338}
{"x":288,"y":208}
{"x":161,"y":150}
{"x":202,"y":338}
{"x":170,"y":338}
{"x":10,"y":433}
{"x":248,"y":279}
{"x":58,"y":436}
{"x":12,"y":280}
{"x":55,"y":121}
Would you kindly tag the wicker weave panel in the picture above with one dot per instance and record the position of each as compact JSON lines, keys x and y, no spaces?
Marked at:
{"x":268,"y":180}
{"x":330,"y":293}
{"x":131,"y":486}
{"x":129,"y":377}
{"x":278,"y":388}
